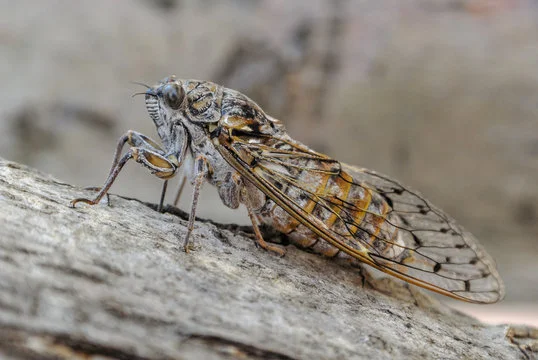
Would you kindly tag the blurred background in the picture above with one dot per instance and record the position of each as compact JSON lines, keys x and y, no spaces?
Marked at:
{"x":440,"y":94}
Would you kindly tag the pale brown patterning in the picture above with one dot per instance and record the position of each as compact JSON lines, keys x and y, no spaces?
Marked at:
{"x":220,"y":136}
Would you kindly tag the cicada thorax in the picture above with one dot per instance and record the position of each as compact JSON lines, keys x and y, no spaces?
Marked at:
{"x":358,"y":215}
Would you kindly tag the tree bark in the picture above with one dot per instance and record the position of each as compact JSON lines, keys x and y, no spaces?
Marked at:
{"x":114,"y":282}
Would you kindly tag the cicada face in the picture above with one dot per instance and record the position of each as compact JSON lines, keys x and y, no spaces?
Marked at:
{"x":172,"y":101}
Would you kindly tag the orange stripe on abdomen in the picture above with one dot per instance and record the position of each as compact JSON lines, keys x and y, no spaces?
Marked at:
{"x":342,"y":187}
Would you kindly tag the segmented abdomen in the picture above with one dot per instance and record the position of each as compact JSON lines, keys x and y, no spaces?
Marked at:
{"x":359,"y":216}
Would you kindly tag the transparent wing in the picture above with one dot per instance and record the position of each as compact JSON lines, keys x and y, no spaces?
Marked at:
{"x":437,"y":251}
{"x":377,"y":220}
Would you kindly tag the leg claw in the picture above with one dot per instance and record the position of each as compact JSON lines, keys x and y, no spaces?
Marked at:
{"x":280,"y":251}
{"x":73,"y":202}
{"x":189,"y":247}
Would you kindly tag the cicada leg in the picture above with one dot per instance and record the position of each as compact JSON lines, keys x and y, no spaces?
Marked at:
{"x":176,"y":197}
{"x":144,"y":151}
{"x":202,"y":170}
{"x":524,"y":337}
{"x":134,"y":139}
{"x":163,"y":194}
{"x":257,"y":233}
{"x":108,"y":183}
{"x":180,"y":189}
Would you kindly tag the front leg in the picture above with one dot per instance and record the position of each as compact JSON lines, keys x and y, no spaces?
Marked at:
{"x":146,"y":152}
{"x":137,"y":139}
{"x":134,"y":139}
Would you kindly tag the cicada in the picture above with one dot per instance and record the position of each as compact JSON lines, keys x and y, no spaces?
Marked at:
{"x":218,"y":135}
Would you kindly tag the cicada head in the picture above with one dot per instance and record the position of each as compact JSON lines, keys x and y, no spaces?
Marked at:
{"x":173,"y":100}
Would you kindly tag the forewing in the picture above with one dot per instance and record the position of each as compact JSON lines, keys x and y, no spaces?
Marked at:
{"x":438,"y":251}
{"x":419,"y":243}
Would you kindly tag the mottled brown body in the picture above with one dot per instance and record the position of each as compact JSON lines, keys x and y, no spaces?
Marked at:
{"x":220,"y":136}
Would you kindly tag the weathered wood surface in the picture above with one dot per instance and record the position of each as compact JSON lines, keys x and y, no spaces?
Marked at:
{"x":113,"y":282}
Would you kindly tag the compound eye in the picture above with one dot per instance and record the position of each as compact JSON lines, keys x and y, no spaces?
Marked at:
{"x":173,"y":95}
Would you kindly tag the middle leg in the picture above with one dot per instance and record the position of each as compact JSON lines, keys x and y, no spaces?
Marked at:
{"x":202,"y":170}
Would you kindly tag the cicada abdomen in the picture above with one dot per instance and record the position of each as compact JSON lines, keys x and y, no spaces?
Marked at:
{"x":328,"y":194}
